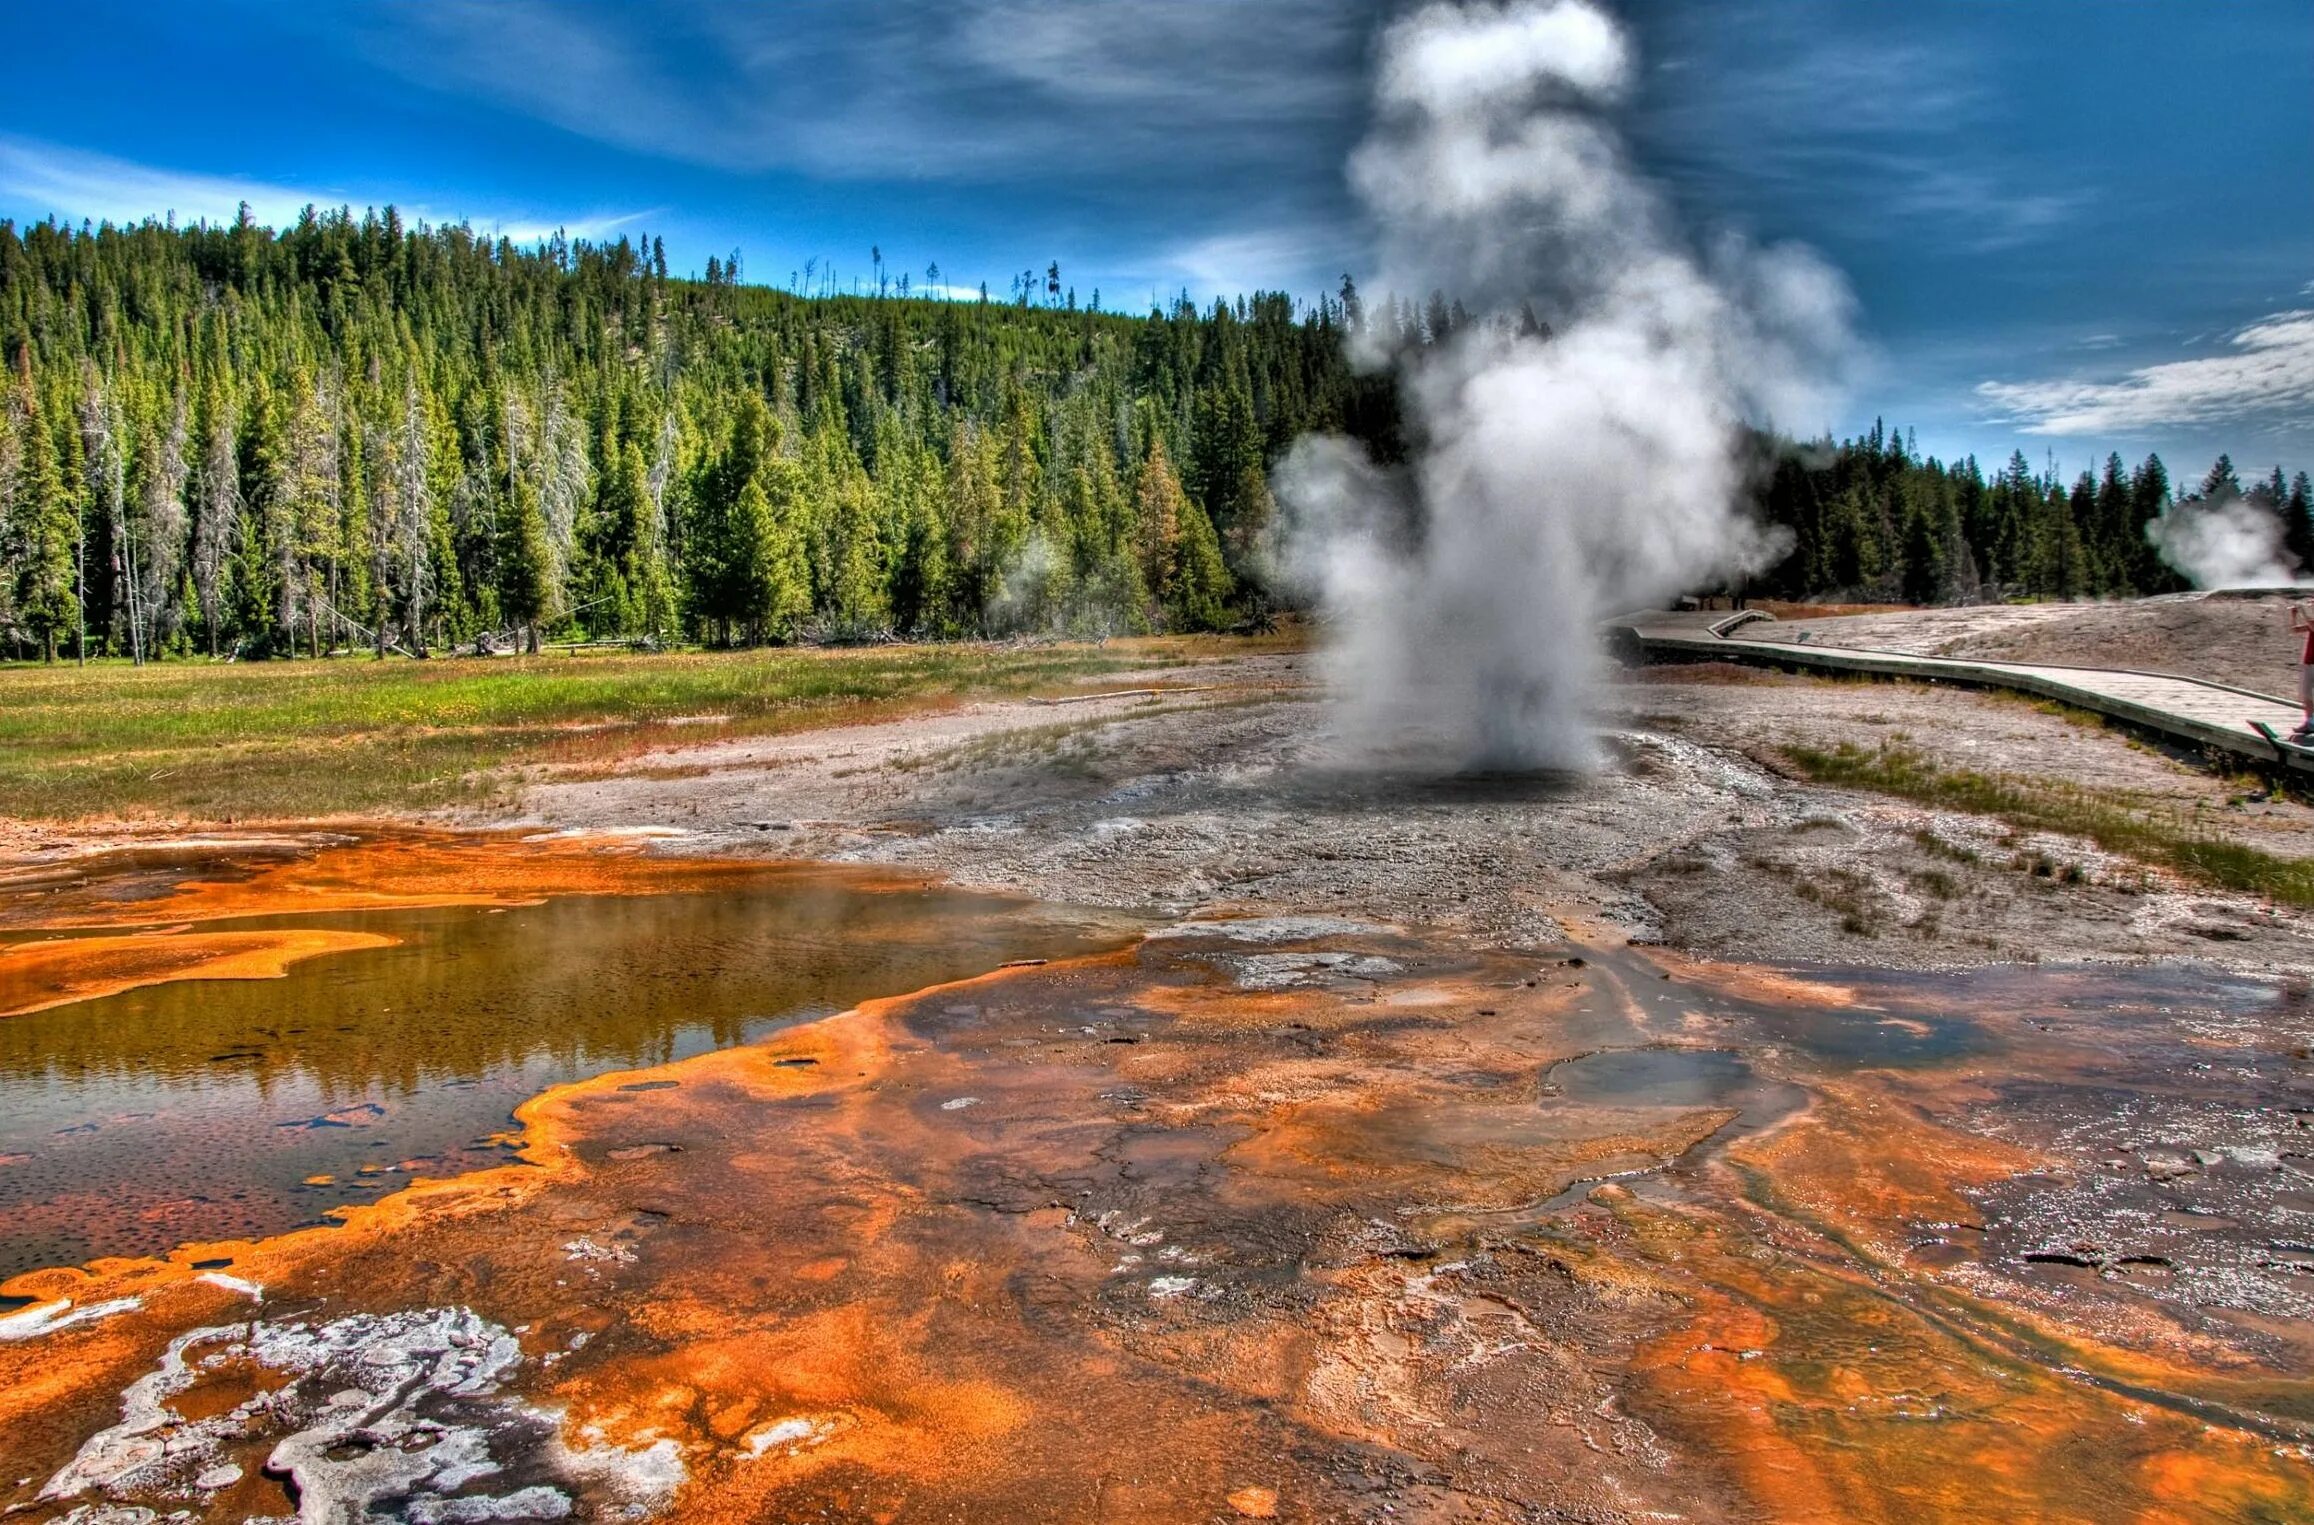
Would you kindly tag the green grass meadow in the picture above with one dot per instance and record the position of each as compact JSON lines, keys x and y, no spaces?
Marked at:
{"x":290,"y":740}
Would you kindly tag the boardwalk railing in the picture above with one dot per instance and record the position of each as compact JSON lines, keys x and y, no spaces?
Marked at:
{"x":2213,"y":716}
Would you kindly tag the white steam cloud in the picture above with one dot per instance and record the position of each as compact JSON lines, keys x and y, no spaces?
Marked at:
{"x":2233,"y":543}
{"x":1558,"y":477}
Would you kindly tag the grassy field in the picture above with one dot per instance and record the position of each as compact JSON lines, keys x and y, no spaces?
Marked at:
{"x":285,"y":740}
{"x":2184,"y":843}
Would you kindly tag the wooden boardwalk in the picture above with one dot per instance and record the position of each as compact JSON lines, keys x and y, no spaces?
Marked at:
{"x":2208,"y":715}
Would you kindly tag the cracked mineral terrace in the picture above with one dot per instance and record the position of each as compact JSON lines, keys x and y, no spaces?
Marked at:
{"x":1684,"y":1142}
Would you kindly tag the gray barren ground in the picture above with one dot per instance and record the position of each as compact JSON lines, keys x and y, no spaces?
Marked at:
{"x":2241,"y":639}
{"x":1238,"y":797}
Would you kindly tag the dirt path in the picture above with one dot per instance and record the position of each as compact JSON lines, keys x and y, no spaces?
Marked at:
{"x":2239,"y":639}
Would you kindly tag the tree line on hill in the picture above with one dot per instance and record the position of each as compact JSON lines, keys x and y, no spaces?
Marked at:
{"x":357,"y":435}
{"x":1872,"y":520}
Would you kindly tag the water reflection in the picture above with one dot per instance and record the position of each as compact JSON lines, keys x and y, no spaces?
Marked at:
{"x":210,"y":1109}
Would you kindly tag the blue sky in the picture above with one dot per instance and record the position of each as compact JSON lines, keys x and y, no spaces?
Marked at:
{"x":2073,"y":225}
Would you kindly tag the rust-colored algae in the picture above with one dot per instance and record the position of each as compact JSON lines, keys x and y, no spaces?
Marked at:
{"x":320,"y":872}
{"x":1302,"y":1230}
{"x":58,"y":971}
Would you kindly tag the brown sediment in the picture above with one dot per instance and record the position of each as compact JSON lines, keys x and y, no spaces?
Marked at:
{"x":1836,"y":1402}
{"x":1891,"y":1184}
{"x":324,"y":872}
{"x":1756,"y":983}
{"x":1864,"y":1161}
{"x":1211,"y":1230}
{"x":57,"y":971}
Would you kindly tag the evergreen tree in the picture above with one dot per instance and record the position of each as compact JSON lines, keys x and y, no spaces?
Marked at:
{"x":855,"y":597}
{"x":1228,"y":461}
{"x":2221,"y":485}
{"x":2148,"y":503}
{"x":921,"y":578}
{"x":1923,"y":574}
{"x":240,"y":440}
{"x":1198,"y":585}
{"x":46,"y":529}
{"x":525,"y":562}
{"x":2116,"y":538}
{"x":1158,"y":510}
{"x":2298,"y":522}
{"x":769,"y":588}
{"x":972,"y":510}
{"x":621,"y":539}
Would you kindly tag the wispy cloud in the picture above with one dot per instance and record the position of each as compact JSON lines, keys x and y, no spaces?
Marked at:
{"x":1770,"y":99}
{"x":973,"y":90}
{"x":2264,"y":375}
{"x":1252,"y":258}
{"x":40,"y":179}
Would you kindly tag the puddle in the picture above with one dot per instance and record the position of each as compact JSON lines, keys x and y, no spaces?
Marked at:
{"x":231,"y":1108}
{"x":1658,"y":1077}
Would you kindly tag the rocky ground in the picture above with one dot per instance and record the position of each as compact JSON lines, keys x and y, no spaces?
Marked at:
{"x":1227,"y":789}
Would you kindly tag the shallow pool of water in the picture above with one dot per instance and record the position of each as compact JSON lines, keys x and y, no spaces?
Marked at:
{"x":1658,"y":1077}
{"x":208,"y":1109}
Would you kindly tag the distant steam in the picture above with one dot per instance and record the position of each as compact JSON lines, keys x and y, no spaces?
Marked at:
{"x":2232,"y":543}
{"x":1561,"y":477}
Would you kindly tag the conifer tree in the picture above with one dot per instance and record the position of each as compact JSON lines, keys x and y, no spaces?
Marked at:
{"x":752,"y":577}
{"x":1198,"y":585}
{"x":630,"y":547}
{"x":1253,"y":515}
{"x":783,"y":568}
{"x":920,"y":574}
{"x":2117,"y":539}
{"x":262,"y":439}
{"x":216,"y":517}
{"x":2148,"y":502}
{"x":525,"y":558}
{"x":47,"y":529}
{"x":11,"y":490}
{"x":1158,"y":509}
{"x":2220,"y":485}
{"x":855,"y":602}
{"x":972,"y":510}
{"x":2298,"y":522}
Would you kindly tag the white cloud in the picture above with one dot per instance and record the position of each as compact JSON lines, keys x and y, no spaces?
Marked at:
{"x":2264,"y":373}
{"x":1890,"y":129}
{"x":970,"y":90}
{"x":39,"y":179}
{"x":1252,"y":259}
{"x":1171,"y":57}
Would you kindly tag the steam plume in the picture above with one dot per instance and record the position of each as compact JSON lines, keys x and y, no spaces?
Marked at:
{"x":1559,"y":477}
{"x":2232,"y":543}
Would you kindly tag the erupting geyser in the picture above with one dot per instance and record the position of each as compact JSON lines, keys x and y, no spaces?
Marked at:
{"x":1577,"y":440}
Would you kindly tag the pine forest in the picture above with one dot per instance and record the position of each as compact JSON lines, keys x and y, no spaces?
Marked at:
{"x":354,"y":435}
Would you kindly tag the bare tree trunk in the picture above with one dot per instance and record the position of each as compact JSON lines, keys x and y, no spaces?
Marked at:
{"x":411,"y":504}
{"x":379,"y":569}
